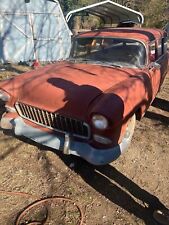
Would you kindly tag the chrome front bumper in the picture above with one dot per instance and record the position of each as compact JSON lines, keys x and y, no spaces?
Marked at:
{"x":68,"y":145}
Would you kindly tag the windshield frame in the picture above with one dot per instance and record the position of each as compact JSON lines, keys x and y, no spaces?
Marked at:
{"x":76,"y":59}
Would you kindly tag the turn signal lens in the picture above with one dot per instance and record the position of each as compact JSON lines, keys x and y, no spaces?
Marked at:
{"x":101,"y":139}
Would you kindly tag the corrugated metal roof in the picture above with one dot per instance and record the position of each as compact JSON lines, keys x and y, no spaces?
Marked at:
{"x":109,"y":11}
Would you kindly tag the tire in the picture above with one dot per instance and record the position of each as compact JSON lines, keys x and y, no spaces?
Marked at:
{"x":130,"y":128}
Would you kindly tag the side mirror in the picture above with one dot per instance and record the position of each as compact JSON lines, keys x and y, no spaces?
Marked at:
{"x":155,"y":65}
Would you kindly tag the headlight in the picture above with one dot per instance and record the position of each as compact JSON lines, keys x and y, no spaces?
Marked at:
{"x":100,"y":122}
{"x":4,"y":96}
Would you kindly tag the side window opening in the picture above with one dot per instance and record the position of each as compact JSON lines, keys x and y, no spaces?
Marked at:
{"x":159,"y":48}
{"x":164,"y":45}
{"x":153,"y":51}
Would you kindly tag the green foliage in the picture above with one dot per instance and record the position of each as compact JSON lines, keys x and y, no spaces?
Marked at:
{"x":68,"y":5}
{"x":156,"y":13}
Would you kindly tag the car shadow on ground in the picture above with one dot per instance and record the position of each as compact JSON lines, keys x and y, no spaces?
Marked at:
{"x":161,"y":104}
{"x":158,"y":117}
{"x":116,"y":187}
{"x":109,"y":182}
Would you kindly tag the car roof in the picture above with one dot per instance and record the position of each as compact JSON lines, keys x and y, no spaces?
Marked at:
{"x":142,"y":34}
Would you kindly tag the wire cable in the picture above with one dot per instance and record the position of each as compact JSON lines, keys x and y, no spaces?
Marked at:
{"x":39,"y":202}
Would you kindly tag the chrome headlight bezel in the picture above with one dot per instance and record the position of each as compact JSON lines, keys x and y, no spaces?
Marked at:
{"x":100,"y":122}
{"x":4,"y":96}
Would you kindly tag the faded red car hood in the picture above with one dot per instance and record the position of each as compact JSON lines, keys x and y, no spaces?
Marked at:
{"x":65,"y":87}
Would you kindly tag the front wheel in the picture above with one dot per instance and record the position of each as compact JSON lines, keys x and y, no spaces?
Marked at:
{"x":129,"y":129}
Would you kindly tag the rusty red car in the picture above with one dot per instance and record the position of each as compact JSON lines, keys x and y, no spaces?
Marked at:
{"x":88,"y":104}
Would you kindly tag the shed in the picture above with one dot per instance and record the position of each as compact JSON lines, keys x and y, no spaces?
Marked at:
{"x":33,"y":29}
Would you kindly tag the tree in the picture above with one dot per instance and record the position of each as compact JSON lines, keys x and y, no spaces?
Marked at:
{"x":155,"y":11}
{"x":68,"y":5}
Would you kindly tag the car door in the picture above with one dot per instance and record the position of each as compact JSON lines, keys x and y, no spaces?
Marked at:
{"x":154,"y":69}
{"x":162,"y":59}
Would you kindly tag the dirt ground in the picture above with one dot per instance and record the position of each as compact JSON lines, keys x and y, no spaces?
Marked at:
{"x":122,"y":193}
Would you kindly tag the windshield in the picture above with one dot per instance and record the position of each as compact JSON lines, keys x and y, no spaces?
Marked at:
{"x":114,"y":51}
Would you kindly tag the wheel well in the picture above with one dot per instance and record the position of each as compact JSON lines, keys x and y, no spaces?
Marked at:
{"x":138,"y":114}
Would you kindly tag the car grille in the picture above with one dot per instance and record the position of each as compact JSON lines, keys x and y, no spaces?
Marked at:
{"x":53,"y":121}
